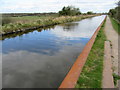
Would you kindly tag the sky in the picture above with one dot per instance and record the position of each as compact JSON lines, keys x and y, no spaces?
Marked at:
{"x":40,"y":6}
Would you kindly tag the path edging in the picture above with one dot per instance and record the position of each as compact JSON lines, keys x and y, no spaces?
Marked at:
{"x":107,"y":81}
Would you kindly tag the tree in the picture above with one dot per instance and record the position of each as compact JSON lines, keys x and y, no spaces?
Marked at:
{"x":118,"y":11}
{"x":112,"y":12}
{"x":89,"y":12}
{"x":115,"y":13}
{"x":70,"y":10}
{"x":118,"y":3}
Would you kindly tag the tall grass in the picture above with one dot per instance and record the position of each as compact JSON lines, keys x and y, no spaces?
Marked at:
{"x":5,"y":20}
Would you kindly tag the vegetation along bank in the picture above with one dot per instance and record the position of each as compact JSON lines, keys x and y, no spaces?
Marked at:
{"x":116,"y":25}
{"x":91,"y":75}
{"x":48,"y":21}
{"x":115,"y":17}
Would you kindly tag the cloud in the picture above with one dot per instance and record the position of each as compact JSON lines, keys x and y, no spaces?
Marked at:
{"x":55,"y":5}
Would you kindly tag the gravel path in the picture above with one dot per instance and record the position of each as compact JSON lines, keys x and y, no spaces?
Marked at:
{"x":112,"y":35}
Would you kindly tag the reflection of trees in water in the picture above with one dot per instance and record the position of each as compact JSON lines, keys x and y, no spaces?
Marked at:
{"x":69,"y":26}
{"x":24,"y":32}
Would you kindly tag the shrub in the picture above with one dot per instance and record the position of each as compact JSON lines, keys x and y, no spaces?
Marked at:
{"x":89,"y":12}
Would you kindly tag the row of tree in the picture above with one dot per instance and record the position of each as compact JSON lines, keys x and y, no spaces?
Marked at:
{"x":115,"y":13}
{"x":71,"y":11}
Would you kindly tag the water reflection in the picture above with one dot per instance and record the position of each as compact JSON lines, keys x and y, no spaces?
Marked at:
{"x":84,"y":28}
{"x":26,"y":64}
{"x":42,"y":59}
{"x":69,"y":26}
{"x":24,"y":32}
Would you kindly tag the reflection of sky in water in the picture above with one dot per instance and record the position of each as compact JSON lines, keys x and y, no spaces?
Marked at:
{"x":42,"y":59}
{"x":83,"y":29}
{"x":40,"y":42}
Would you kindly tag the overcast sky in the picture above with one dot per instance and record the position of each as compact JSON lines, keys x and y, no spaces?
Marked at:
{"x":34,"y":6}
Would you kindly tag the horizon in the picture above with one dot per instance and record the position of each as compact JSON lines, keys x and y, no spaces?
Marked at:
{"x":31,"y":6}
{"x":39,"y":13}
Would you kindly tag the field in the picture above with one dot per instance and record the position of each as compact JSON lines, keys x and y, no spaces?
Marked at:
{"x":24,"y":19}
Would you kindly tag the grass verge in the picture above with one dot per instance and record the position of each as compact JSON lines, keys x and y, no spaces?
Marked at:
{"x":91,"y":75}
{"x":115,"y":24}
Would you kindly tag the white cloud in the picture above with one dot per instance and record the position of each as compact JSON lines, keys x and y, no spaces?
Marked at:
{"x":55,"y":5}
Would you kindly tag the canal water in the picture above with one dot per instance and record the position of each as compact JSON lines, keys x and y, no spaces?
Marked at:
{"x":42,"y":58}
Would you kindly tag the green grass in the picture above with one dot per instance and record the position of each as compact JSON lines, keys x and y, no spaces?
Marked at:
{"x":91,"y":75}
{"x":115,"y":24}
{"x":24,"y":19}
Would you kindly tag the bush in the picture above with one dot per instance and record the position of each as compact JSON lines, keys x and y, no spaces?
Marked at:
{"x":116,"y":78}
{"x":89,"y":12}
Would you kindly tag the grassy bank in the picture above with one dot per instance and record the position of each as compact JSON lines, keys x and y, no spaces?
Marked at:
{"x":91,"y":75}
{"x":115,"y":24}
{"x":39,"y":22}
{"x":23,"y":19}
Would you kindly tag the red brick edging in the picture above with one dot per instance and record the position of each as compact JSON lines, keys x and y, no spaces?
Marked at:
{"x":71,"y":78}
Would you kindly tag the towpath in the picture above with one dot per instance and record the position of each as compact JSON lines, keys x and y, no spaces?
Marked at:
{"x":112,"y":35}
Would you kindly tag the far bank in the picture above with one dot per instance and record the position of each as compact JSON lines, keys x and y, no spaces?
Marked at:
{"x":39,"y":22}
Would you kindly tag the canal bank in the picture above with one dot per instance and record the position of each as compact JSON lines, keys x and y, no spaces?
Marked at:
{"x":19,"y":27}
{"x":90,"y":73}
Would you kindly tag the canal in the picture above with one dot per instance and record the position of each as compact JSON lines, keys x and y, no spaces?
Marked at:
{"x":42,"y":58}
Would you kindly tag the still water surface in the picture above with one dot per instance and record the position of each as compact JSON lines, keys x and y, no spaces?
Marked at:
{"x":41,"y":59}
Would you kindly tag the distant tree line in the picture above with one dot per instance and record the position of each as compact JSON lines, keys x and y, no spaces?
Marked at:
{"x":90,"y":12}
{"x":72,"y":11}
{"x":115,"y":13}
